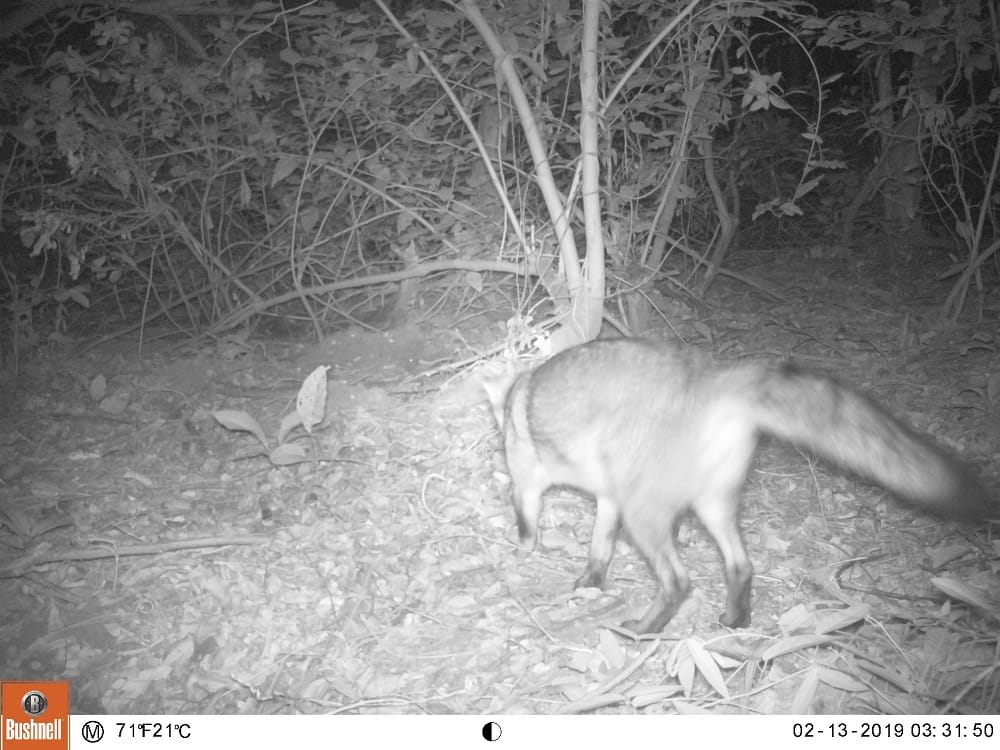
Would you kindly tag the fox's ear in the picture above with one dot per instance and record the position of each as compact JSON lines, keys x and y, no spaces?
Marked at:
{"x":497,"y":387}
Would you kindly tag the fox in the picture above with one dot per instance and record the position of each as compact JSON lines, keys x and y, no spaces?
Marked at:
{"x":653,"y":431}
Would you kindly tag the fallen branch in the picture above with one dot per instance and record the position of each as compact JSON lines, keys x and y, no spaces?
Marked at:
{"x":18,"y":567}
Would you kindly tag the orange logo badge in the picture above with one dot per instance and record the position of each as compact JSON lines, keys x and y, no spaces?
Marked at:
{"x":34,"y":715}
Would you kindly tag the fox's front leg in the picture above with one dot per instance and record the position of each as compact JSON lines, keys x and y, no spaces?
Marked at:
{"x":602,"y":545}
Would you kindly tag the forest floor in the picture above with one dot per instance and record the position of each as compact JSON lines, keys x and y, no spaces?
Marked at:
{"x":165,"y":565}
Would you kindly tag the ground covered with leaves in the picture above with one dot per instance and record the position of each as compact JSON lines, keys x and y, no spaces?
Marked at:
{"x":165,"y":564}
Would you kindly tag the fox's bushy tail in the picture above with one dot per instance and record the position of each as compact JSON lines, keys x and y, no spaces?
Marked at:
{"x":844,"y":426}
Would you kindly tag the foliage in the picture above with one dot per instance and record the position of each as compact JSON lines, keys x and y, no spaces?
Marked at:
{"x":249,"y":176}
{"x":951,"y":84}
{"x":314,"y":149}
{"x":310,"y":409}
{"x":282,"y":159}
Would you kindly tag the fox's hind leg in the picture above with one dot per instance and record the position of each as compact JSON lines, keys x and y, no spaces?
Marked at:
{"x":602,"y":544}
{"x":720,"y":514}
{"x":724,"y":462}
{"x":655,"y":534}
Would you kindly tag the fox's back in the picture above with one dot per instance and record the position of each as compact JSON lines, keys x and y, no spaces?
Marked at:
{"x":619,"y":420}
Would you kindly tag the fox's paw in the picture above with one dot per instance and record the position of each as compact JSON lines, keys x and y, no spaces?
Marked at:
{"x":593,"y":576}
